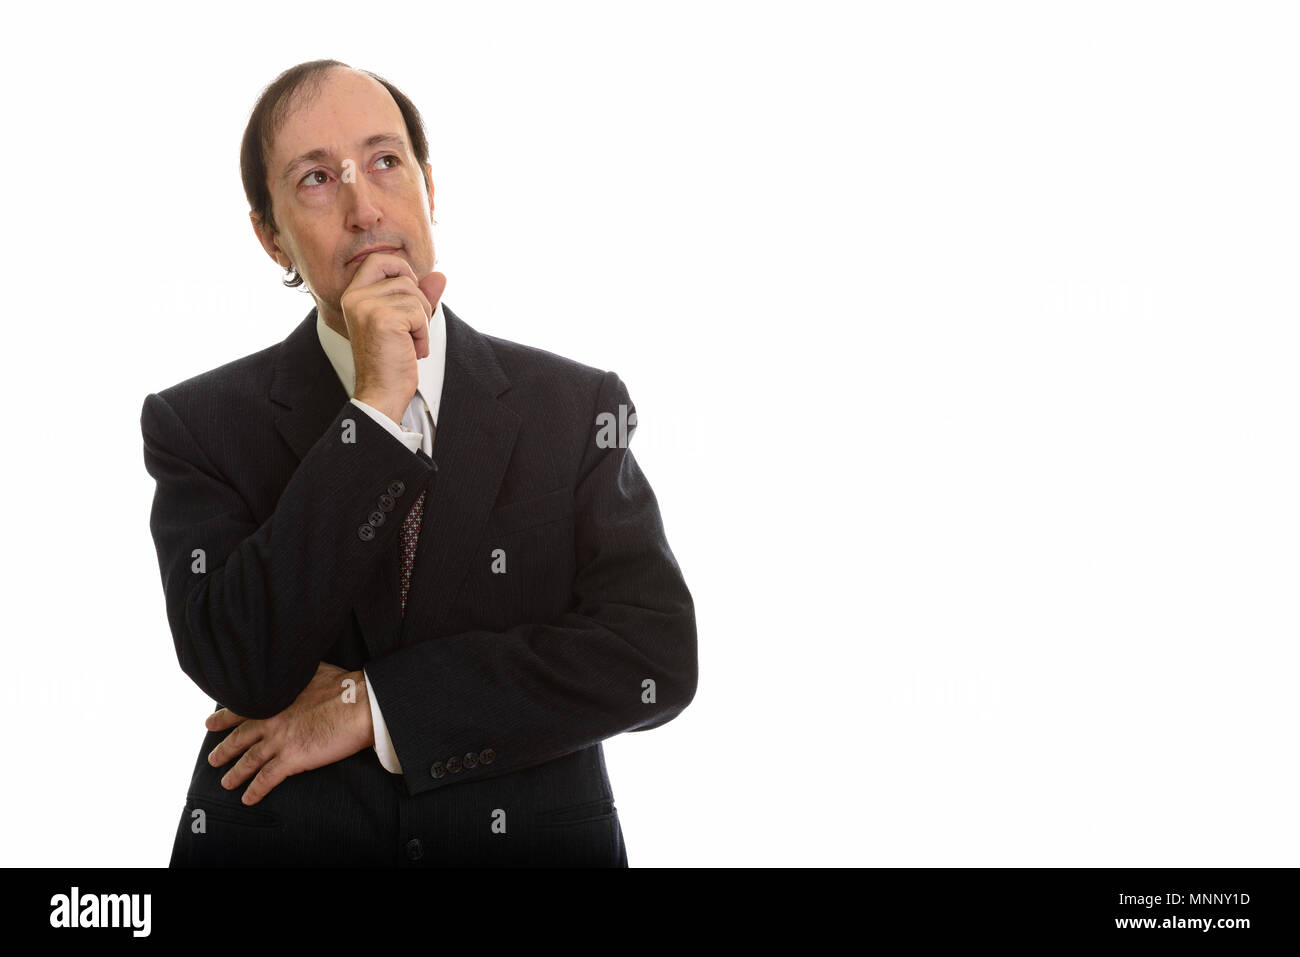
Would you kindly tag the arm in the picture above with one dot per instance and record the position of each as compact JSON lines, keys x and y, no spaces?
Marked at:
{"x":408,"y":438}
{"x":379,"y":731}
{"x":548,"y":689}
{"x":383,"y":742}
{"x":252,"y":623}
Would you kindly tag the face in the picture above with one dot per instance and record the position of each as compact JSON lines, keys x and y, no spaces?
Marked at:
{"x":329,"y":209}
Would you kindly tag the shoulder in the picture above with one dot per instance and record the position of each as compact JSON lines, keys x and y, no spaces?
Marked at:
{"x":532,"y":366}
{"x":547,"y":386}
{"x":241,"y":389}
{"x":245,"y":374}
{"x":535,"y":380}
{"x":225,"y":389}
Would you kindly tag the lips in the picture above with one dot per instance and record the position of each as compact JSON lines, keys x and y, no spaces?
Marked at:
{"x":373,"y":249}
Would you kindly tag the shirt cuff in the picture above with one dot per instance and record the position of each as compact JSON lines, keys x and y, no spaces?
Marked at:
{"x":410,"y":439}
{"x":383,"y":743}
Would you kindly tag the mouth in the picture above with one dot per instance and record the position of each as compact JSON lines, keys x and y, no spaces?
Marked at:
{"x":374,"y":249}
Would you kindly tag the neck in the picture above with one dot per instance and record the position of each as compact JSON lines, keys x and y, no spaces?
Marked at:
{"x":333,"y":319}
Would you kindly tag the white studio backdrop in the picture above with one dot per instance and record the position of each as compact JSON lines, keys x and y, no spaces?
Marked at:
{"x":962,"y":338}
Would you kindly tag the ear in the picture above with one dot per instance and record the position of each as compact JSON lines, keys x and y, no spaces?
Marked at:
{"x":429,"y":170}
{"x":267,"y":240}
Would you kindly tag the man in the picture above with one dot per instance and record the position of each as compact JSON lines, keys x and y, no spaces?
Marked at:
{"x":416,"y":566}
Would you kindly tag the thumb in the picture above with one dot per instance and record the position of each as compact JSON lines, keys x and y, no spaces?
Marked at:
{"x":221,"y":720}
{"x":432,"y":286}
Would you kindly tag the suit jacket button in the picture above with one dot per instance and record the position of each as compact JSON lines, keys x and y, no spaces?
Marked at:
{"x":487,"y":756}
{"x":376,"y":518}
{"x":453,"y":765}
{"x":471,"y":759}
{"x":414,"y":849}
{"x":437,"y":769}
{"x":386,"y":502}
{"x":365,"y":533}
{"x":396,"y":487}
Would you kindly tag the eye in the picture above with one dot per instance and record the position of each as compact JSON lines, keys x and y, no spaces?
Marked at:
{"x":392,"y":157}
{"x":315,"y":172}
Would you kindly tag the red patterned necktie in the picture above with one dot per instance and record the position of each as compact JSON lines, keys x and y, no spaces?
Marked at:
{"x":410,"y":538}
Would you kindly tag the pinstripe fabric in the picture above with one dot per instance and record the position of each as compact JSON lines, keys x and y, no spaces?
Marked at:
{"x":498,"y":687}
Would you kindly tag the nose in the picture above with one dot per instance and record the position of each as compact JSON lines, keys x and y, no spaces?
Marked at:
{"x":361,"y":212}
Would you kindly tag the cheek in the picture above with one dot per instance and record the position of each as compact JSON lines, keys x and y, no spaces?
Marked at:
{"x":316,"y":201}
{"x":320,"y":269}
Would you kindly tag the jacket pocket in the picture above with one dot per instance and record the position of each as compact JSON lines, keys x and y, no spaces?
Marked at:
{"x":229,"y":812}
{"x":518,"y":516}
{"x":577,"y":813}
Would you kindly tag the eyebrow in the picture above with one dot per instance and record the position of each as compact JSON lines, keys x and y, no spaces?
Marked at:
{"x":320,"y":153}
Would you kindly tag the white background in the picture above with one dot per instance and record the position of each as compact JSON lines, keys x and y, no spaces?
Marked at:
{"x":963,"y":339}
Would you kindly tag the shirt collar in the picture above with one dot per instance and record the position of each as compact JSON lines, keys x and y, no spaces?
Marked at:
{"x":431,"y":368}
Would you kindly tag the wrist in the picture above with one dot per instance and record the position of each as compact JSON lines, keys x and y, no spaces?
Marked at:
{"x":395,"y":409}
{"x":364,"y":723}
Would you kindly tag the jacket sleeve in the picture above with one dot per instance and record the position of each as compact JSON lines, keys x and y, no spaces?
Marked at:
{"x":621,"y":658}
{"x":254,"y":606}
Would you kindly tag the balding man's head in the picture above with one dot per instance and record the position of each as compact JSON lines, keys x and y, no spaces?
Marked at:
{"x":335,"y":162}
{"x":294,"y":90}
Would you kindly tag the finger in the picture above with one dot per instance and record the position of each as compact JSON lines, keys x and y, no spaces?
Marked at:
{"x":397,"y":286}
{"x":272,"y":773}
{"x":242,"y":738}
{"x":418,"y":330}
{"x":403,"y":286}
{"x":380,"y":266}
{"x":246,"y":767}
{"x":221,"y":720}
{"x":432,"y":286}
{"x":420,"y":333}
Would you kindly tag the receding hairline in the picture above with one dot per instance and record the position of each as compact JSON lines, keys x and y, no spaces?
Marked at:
{"x":306,"y":92}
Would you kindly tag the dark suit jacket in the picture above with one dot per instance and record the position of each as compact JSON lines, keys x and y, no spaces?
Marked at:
{"x":497,"y":689}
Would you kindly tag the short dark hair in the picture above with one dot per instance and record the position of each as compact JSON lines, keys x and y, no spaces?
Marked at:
{"x":269,"y":114}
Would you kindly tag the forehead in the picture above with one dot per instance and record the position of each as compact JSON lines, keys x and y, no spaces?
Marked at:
{"x":346,"y":109}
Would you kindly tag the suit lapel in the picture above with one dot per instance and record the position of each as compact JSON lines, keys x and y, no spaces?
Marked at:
{"x":305,"y":388}
{"x":473,"y":442}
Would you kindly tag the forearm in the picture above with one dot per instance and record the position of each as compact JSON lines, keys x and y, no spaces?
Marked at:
{"x":538,"y":692}
{"x":253,"y":608}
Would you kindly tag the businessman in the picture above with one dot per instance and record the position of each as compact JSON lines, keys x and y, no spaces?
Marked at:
{"x":417,"y":567}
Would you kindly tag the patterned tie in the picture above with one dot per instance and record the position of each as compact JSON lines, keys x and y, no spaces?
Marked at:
{"x":410,"y":539}
{"x":414,"y":518}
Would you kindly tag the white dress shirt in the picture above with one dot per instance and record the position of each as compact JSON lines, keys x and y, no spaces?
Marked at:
{"x":413,"y":431}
